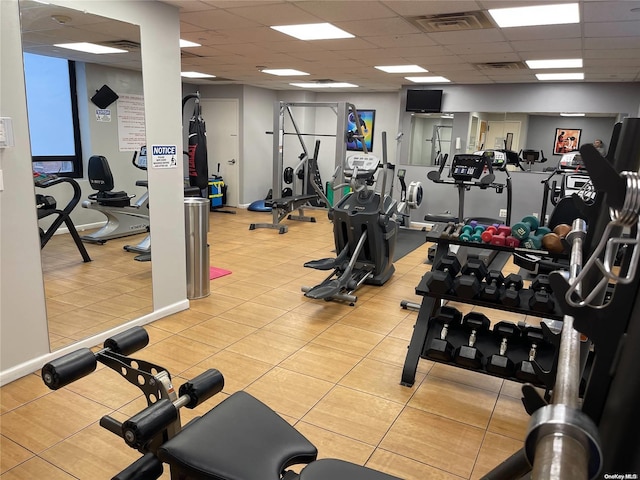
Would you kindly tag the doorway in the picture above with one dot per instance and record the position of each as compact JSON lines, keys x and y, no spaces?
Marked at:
{"x":221,"y":116}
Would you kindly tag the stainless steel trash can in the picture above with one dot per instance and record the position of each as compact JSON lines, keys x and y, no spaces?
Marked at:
{"x":196,"y":221}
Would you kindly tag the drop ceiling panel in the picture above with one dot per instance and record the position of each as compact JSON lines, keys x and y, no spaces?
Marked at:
{"x":413,"y":8}
{"x":610,"y":11}
{"x":481,"y":48}
{"x":553,"y":54}
{"x":466,"y":37}
{"x":391,"y":41}
{"x":275,"y":14}
{"x":490,"y":58}
{"x":550,"y":45}
{"x":612,"y":43}
{"x":189,"y":5}
{"x":217,"y":19}
{"x":546,"y":32}
{"x":431,"y":62}
{"x":617,"y":53}
{"x":610,"y":29}
{"x":386,"y":26}
{"x":335,"y":11}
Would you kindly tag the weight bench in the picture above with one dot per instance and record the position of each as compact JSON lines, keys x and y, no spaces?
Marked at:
{"x":282,"y":207}
{"x":239,"y":439}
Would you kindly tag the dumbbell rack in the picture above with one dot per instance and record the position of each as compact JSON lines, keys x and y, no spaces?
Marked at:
{"x":489,"y":344}
{"x":422,"y":333}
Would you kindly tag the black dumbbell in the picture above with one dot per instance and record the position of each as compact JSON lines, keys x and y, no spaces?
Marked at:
{"x":499,"y":363}
{"x":511,"y":294}
{"x":524,"y":370}
{"x":542,"y":298}
{"x":469,"y":284}
{"x":468,"y":355}
{"x":440,"y":281}
{"x":439,"y":348}
{"x":492,"y":290}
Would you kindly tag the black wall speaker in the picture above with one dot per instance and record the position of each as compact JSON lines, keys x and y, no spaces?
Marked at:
{"x":104,"y":97}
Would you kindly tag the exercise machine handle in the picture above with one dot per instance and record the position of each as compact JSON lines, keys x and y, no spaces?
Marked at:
{"x":202,"y":387}
{"x":128,"y":342}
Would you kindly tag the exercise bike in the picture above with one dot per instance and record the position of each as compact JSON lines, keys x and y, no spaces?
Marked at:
{"x":364,"y":232}
{"x":239,"y":439}
{"x":123,"y":218}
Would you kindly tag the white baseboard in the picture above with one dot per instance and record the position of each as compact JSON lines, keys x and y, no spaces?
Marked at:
{"x":80,"y":228}
{"x":30,"y":366}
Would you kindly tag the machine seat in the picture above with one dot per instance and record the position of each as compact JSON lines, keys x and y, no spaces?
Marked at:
{"x":329,"y":468}
{"x":101,"y":180}
{"x":240,"y":439}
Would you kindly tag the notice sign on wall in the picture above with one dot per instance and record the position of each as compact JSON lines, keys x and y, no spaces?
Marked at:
{"x":164,"y":156}
{"x":103,"y":114}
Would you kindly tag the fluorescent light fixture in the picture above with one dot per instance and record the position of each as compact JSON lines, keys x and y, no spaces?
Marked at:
{"x":187,"y":44}
{"x":446,"y":115}
{"x":402,"y":69}
{"x":324,"y":85}
{"x":196,"y":75}
{"x":536,"y":15}
{"x":559,"y":63}
{"x":572,"y":114}
{"x":313,"y":31}
{"x":428,"y":79}
{"x":560,"y":76}
{"x":283,"y":72}
{"x":89,"y":48}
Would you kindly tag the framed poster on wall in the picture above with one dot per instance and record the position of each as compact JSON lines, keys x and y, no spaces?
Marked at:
{"x":367,"y":120}
{"x":566,"y":140}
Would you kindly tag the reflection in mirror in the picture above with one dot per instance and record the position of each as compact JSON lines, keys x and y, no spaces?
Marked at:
{"x":86,"y":298}
{"x":518,"y":132}
{"x":431,"y":135}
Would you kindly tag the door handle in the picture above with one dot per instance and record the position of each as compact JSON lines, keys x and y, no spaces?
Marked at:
{"x":232,"y":161}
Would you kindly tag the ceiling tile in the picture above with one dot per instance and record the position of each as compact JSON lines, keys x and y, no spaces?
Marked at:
{"x":550,"y":45}
{"x":340,"y":11}
{"x":612,"y":43}
{"x":468,"y":36}
{"x":610,"y":29}
{"x":411,"y":40}
{"x":430,"y":7}
{"x":216,"y":19}
{"x":386,"y":26}
{"x":610,"y":11}
{"x":275,"y":14}
{"x":544,"y":31}
{"x":481,"y":48}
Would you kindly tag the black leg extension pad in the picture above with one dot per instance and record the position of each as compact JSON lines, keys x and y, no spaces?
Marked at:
{"x":240,"y":439}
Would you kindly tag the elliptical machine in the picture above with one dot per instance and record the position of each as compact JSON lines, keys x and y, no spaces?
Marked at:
{"x":364,"y":232}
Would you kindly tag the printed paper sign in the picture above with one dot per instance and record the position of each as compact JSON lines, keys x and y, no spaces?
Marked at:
{"x":164,"y":156}
{"x":103,"y":114}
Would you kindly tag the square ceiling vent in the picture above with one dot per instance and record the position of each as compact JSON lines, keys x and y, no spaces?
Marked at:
{"x":452,"y":22}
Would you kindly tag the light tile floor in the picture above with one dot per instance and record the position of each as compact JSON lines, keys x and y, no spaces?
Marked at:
{"x":330,"y":369}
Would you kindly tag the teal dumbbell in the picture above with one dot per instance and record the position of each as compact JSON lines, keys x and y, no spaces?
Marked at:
{"x":523,"y":229}
{"x":534,"y":242}
{"x":471,"y":233}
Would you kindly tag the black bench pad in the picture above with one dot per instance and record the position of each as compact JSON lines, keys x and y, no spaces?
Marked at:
{"x":331,"y":469}
{"x":240,"y":439}
{"x":289,"y":202}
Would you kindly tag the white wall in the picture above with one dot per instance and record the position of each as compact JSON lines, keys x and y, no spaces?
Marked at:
{"x":23,"y":343}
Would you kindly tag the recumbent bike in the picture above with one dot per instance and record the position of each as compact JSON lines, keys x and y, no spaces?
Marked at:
{"x":239,"y":439}
{"x":364,"y":232}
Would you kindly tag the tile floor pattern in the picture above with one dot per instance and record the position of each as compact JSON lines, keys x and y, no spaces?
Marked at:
{"x":330,"y":369}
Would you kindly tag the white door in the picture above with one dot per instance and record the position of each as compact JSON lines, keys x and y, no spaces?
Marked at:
{"x":497,"y":134}
{"x":221,"y":116}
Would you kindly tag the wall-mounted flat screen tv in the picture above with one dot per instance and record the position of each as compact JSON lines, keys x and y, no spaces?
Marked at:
{"x":424,"y":101}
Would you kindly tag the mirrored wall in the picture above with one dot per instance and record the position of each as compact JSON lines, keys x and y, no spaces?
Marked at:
{"x":434,"y":135}
{"x":86,"y":298}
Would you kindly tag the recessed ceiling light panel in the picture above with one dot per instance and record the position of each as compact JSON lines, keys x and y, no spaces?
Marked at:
{"x":196,"y":75}
{"x":89,"y":48}
{"x":428,"y":79}
{"x":572,"y":114}
{"x":313,"y":31}
{"x":402,"y":69}
{"x":556,"y":63}
{"x":536,"y":15}
{"x":283,"y":72}
{"x":559,"y":76}
{"x":324,"y":85}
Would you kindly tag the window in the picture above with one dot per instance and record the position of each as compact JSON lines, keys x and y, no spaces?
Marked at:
{"x":52,"y":108}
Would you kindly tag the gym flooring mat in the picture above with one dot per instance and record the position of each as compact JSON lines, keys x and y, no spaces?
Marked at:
{"x":407,"y":241}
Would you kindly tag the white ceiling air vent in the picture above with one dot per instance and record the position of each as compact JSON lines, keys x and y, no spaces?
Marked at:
{"x":501,"y":66}
{"x":127,"y":45}
{"x":452,"y":22}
